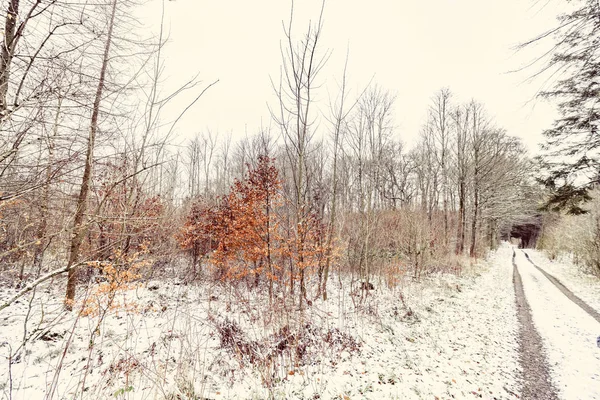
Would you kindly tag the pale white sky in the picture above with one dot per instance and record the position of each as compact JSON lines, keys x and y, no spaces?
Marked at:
{"x":412,"y":48}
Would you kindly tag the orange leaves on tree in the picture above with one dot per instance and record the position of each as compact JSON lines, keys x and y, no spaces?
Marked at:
{"x":242,"y":229}
{"x":120,"y":273}
{"x":245,"y":234}
{"x":200,"y":229}
{"x":248,"y":239}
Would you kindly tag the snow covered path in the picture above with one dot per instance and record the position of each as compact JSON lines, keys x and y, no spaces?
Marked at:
{"x":568,"y":334}
{"x":586,"y":307}
{"x":537,"y":383}
{"x":584,"y":285}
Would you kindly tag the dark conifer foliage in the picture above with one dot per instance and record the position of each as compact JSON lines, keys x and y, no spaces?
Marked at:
{"x":571,"y":158}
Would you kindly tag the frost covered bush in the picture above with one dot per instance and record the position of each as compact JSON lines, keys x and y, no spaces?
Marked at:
{"x":575,"y":236}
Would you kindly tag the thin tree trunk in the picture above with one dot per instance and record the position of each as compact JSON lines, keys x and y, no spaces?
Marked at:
{"x":8,"y":48}
{"x":460,"y":244}
{"x":473,"y":250}
{"x":270,"y":267}
{"x":79,"y":230}
{"x":331,"y":224}
{"x":42,"y":242}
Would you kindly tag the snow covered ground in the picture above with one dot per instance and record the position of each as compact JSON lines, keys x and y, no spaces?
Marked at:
{"x":456,"y":338}
{"x":583,"y":285}
{"x":568,"y":333}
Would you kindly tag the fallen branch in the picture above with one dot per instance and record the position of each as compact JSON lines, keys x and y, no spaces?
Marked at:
{"x":36,"y":282}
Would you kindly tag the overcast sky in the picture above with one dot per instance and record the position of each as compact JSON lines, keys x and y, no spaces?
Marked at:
{"x":412,"y":48}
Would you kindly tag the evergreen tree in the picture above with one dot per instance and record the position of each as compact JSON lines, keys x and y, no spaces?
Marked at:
{"x":571,"y":152}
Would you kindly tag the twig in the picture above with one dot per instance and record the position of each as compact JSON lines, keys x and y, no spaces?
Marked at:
{"x":10,"y":380}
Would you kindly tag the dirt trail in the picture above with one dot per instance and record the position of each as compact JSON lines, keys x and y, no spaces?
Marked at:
{"x":570,"y":295}
{"x":537,"y":383}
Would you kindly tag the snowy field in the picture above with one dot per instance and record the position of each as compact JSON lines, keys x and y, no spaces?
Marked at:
{"x":454,"y":338}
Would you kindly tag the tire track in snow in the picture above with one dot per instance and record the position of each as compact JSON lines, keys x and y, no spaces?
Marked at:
{"x":536,"y":377}
{"x":568,"y":335}
{"x":572,"y":296}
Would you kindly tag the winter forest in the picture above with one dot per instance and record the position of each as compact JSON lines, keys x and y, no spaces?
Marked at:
{"x":325,"y":253}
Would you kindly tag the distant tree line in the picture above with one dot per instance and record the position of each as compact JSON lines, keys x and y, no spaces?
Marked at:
{"x":88,"y":175}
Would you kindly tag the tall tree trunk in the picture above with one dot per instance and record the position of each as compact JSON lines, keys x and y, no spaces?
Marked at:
{"x":473,"y":250}
{"x":270,"y":266}
{"x":8,"y":49}
{"x":42,"y":242}
{"x":79,"y":228}
{"x":339,"y":118}
{"x":331,"y":223}
{"x":493,"y":226}
{"x":460,"y":244}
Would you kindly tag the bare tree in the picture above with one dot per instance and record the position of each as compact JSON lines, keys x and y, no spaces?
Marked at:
{"x":440,"y":125}
{"x":78,"y":224}
{"x":461,"y":121}
{"x":295,"y":92}
{"x":339,"y":113}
